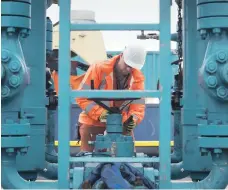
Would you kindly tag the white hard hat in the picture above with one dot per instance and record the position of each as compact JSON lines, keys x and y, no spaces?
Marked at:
{"x":134,"y":56}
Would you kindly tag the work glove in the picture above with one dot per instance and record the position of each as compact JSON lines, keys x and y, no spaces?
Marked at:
{"x":103,"y":116}
{"x":131,"y":125}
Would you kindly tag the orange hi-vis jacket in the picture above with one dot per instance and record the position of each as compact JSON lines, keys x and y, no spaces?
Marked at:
{"x":103,"y":75}
{"x":75,"y":81}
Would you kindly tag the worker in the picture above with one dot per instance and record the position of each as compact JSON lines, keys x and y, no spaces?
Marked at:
{"x":122,"y":72}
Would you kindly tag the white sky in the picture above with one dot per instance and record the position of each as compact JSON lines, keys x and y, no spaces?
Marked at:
{"x":121,"y":11}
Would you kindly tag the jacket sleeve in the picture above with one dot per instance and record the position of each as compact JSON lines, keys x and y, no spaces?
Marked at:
{"x":137,"y":107}
{"x":91,"y":108}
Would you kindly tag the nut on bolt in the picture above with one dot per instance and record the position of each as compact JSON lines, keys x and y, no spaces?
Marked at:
{"x":216,"y":30}
{"x":5,"y":91}
{"x":217,"y":151}
{"x":221,"y":56}
{"x":14,"y":81}
{"x":204,"y":151}
{"x":10,"y":30}
{"x":10,"y":150}
{"x":203,"y":34}
{"x":211,"y":67}
{"x":212,"y":81}
{"x":14,"y":66}
{"x":5,"y":56}
{"x":24,"y":33}
{"x":23,"y":151}
{"x":222,"y":92}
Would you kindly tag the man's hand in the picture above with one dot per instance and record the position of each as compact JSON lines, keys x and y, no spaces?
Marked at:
{"x":103,"y":116}
{"x":131,"y":125}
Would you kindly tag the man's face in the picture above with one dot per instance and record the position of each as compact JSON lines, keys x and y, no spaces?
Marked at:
{"x":123,"y":68}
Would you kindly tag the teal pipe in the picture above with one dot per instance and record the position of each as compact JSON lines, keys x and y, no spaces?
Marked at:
{"x":12,"y":180}
{"x":178,"y":172}
{"x":217,"y":178}
{"x":176,"y":155}
{"x":50,"y":171}
{"x":50,"y":153}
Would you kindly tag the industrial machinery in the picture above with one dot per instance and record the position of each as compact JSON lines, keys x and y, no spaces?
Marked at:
{"x":197,"y":101}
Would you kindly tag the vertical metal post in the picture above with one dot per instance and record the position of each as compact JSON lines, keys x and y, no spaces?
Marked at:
{"x":64,"y":94}
{"x":155,"y":69}
{"x":165,"y":104}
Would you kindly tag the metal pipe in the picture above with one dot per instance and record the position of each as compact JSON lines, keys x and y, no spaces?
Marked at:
{"x":165,"y":103}
{"x":51,"y":155}
{"x":114,"y":159}
{"x":12,"y":180}
{"x":176,"y":155}
{"x":217,"y":178}
{"x":64,"y":94}
{"x":178,"y":172}
{"x":115,"y":93}
{"x":125,"y":26}
{"x":50,"y":171}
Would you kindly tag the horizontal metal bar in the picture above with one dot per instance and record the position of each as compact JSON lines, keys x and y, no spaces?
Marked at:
{"x":15,"y":129}
{"x":213,"y":130}
{"x":116,"y":26}
{"x":116,"y":93}
{"x":15,"y":142}
{"x":213,"y":142}
{"x":114,"y":159}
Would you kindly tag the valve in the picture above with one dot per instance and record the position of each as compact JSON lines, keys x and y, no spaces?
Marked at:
{"x":143,"y":36}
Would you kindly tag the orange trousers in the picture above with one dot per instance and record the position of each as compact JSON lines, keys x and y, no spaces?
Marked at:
{"x":88,"y":133}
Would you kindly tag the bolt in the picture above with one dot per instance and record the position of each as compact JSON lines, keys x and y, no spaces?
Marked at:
{"x":14,"y":81}
{"x":211,"y":67}
{"x":204,"y":152}
{"x":5,"y":91}
{"x":221,"y":56}
{"x":23,"y":151}
{"x":217,"y":151}
{"x":212,"y":81}
{"x":10,"y":31}
{"x":24,"y":33}
{"x":222,"y":92}
{"x":216,"y":30}
{"x":10,"y":150}
{"x":5,"y":56}
{"x":14,"y":66}
{"x":224,"y":73}
{"x":203,"y":34}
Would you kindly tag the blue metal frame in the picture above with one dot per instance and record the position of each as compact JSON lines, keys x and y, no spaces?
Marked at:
{"x":64,"y":94}
{"x":64,"y":87}
{"x":165,"y":103}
